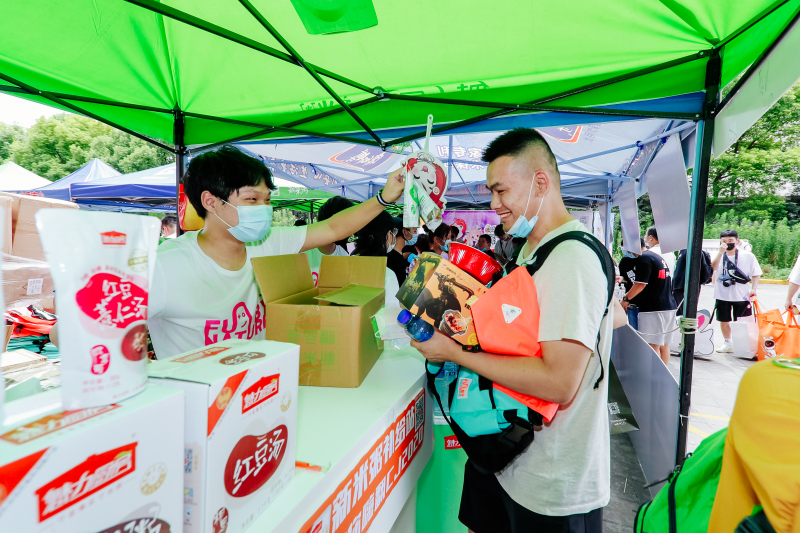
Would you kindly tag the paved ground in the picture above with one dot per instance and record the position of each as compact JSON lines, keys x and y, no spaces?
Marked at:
{"x":714,"y":385}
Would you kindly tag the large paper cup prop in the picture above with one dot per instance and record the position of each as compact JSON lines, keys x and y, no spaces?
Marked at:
{"x":425,"y":186}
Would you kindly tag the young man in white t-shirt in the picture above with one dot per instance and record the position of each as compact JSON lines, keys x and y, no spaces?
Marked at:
{"x":204,"y":290}
{"x":733,"y":297}
{"x":561,"y":482}
{"x":794,"y":284}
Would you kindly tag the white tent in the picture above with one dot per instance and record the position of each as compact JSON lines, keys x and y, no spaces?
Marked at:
{"x":13,"y":177}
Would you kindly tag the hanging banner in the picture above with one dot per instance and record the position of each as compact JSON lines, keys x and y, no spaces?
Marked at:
{"x":357,"y":500}
{"x":472,"y":224}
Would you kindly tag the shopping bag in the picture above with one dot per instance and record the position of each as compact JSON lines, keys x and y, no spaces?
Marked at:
{"x":773,"y":315}
{"x":620,"y":413}
{"x":779,"y":338}
{"x":744,"y":336}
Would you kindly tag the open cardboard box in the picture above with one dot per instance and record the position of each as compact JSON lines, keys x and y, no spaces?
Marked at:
{"x":332,"y":323}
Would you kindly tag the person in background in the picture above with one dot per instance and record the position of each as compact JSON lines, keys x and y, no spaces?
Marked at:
{"x":794,"y":284}
{"x":169,"y":227}
{"x":651,"y":240}
{"x":504,"y":248}
{"x":626,"y":266}
{"x":440,"y":240}
{"x":679,"y":277}
{"x":377,"y":239}
{"x":395,"y":260}
{"x":485,"y":244}
{"x":410,"y":237}
{"x":651,"y":293}
{"x":332,"y":206}
{"x":454,"y":233}
{"x":422,"y":245}
{"x":733,"y":297}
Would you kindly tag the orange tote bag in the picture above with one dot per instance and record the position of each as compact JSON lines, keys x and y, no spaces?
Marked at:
{"x":777,"y":338}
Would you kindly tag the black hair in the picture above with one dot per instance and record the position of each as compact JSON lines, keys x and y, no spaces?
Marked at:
{"x":641,"y":242}
{"x":423,"y":244}
{"x":486,"y":237}
{"x":222,"y":173}
{"x":371,"y":239}
{"x":169,"y":220}
{"x":499,"y":231}
{"x":300,"y":222}
{"x":651,"y":232}
{"x":456,"y":230}
{"x":729,"y":233}
{"x":332,"y":206}
{"x":442,"y":231}
{"x":515,"y":142}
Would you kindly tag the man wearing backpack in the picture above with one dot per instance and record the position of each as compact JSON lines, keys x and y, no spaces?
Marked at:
{"x":561,"y":482}
{"x":679,"y":278}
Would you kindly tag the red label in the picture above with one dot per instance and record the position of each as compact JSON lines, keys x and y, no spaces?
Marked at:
{"x":202,"y":354}
{"x":451,"y":443}
{"x":52,"y":423}
{"x":222,"y":400}
{"x":261,"y":391}
{"x":113,"y":238}
{"x":101,"y":359}
{"x":143,"y":525}
{"x":112,"y":301}
{"x":239,"y":358}
{"x":12,"y":473}
{"x":254,"y":460}
{"x":92,"y":475}
{"x":134,"y":344}
{"x":219,"y":524}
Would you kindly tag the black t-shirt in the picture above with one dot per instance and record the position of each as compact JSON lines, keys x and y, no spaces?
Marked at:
{"x":409,"y":248}
{"x":626,"y":265}
{"x":397,"y":264}
{"x":649,"y":268}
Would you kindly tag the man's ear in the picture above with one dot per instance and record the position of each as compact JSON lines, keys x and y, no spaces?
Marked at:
{"x":209,"y":201}
{"x":542,"y":184}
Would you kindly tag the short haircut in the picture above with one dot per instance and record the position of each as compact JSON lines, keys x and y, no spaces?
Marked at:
{"x":516,"y":142}
{"x":222,"y":172}
{"x":300,"y":222}
{"x":456,"y":230}
{"x":487,"y":238}
{"x":442,"y":231}
{"x":423,"y":243}
{"x":499,"y":231}
{"x":729,"y":233}
{"x":651,"y":232}
{"x":169,"y":220}
{"x":334,"y":205}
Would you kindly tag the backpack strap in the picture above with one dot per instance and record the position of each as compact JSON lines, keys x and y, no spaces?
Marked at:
{"x":543,"y":252}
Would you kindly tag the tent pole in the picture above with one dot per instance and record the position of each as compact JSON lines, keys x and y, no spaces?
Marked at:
{"x":694,"y":252}
{"x":609,"y":227}
{"x":178,"y":129}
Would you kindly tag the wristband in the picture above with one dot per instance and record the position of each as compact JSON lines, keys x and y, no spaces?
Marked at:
{"x":381,"y":201}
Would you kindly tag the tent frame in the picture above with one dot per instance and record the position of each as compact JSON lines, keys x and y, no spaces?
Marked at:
{"x":704,"y":121}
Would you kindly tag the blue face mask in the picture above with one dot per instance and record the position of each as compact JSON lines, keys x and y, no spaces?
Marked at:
{"x":446,"y":245}
{"x":255,"y":222}
{"x":522,"y":226}
{"x":629,"y":254}
{"x":412,"y":241}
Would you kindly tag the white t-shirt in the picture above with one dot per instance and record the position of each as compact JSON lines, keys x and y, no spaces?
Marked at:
{"x":737,"y":292}
{"x":391,"y":286}
{"x":566,"y":470}
{"x":315,"y":259}
{"x":669,"y":258}
{"x":794,"y":276}
{"x":195,"y":302}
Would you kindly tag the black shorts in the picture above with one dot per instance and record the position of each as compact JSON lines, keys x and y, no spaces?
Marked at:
{"x":487,"y":508}
{"x":738,"y":309}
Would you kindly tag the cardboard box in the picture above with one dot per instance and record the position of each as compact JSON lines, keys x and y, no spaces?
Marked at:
{"x":26,"y":237}
{"x":8,"y":224}
{"x":15,"y":203}
{"x":27,"y":281}
{"x":241,"y":424}
{"x":104,"y":469}
{"x":332,"y":323}
{"x":442,"y":294}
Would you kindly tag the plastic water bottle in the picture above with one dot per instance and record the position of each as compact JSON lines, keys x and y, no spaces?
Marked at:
{"x":416,"y":327}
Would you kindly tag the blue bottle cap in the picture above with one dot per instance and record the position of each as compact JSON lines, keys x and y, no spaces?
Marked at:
{"x":404,"y":317}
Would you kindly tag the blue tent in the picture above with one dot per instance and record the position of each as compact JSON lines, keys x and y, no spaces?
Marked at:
{"x":145,"y":190}
{"x":92,"y":171}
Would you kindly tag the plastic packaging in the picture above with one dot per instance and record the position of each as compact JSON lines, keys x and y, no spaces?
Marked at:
{"x":417,"y":328}
{"x":426,"y":182}
{"x":102,"y":265}
{"x":387,"y":329}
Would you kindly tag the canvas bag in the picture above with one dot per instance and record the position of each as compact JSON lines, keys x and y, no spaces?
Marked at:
{"x":744,"y":337}
{"x":779,"y":339}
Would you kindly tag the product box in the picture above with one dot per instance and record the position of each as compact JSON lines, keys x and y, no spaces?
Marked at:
{"x":241,"y":424}
{"x":26,"y":282}
{"x":26,"y":236}
{"x":442,"y":294}
{"x":6,"y":207}
{"x":332,"y":323}
{"x":115,"y":468}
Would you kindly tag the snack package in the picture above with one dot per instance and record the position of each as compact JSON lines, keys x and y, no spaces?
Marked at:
{"x":442,"y":295}
{"x":426,"y":181}
{"x":102,"y":266}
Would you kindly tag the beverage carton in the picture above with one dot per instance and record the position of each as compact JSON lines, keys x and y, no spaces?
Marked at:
{"x":241,"y":420}
{"x":101,"y":469}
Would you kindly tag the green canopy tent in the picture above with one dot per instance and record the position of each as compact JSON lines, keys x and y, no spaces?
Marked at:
{"x":202,"y":72}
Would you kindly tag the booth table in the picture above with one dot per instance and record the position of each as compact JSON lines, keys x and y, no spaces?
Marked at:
{"x":372,"y":443}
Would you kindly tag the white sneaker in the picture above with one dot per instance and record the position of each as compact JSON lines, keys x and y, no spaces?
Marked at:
{"x":727,"y":347}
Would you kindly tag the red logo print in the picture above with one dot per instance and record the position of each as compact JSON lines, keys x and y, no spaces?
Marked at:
{"x":242,"y":324}
{"x":92,"y":475}
{"x":219,"y":524}
{"x":145,"y":525}
{"x":101,"y":358}
{"x":261,"y":391}
{"x":52,"y":423}
{"x":111,"y":301}
{"x":113,"y":238}
{"x":253,"y":461}
{"x":451,"y":443}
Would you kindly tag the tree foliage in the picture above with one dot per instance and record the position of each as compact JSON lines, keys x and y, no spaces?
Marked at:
{"x":59,"y":145}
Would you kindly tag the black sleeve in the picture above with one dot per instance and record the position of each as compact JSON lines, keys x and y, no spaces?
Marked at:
{"x":680,"y":266}
{"x":643,"y":268}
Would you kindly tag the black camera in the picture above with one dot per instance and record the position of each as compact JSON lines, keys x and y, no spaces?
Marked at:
{"x":727,"y":281}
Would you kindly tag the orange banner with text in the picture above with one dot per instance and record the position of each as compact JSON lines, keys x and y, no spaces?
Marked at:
{"x":357,"y":500}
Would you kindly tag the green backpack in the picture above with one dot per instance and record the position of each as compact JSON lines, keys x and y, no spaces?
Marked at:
{"x":684,"y":503}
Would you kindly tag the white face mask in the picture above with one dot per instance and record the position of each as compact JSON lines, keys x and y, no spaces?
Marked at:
{"x":522,"y":226}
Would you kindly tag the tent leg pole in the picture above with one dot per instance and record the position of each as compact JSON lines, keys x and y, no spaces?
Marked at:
{"x":609,"y":226}
{"x":694,"y":252}
{"x":180,"y":155}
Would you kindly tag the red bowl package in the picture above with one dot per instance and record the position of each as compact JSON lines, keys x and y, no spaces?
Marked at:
{"x":474,"y":262}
